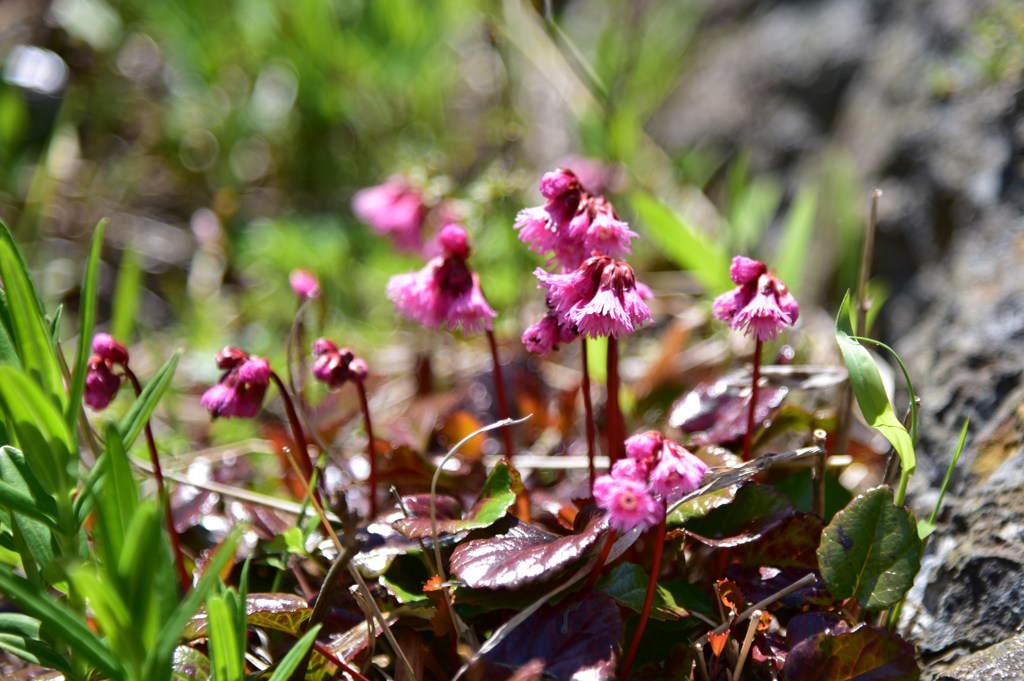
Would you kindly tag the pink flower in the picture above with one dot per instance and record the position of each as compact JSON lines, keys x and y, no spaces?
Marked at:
{"x":101,"y":383}
{"x":335,"y":366}
{"x":631,"y":469}
{"x":542,"y":228}
{"x":546,"y":335}
{"x":572,"y":224}
{"x":241,"y":390}
{"x":104,"y":345}
{"x":677,"y":472}
{"x":445,"y":291}
{"x":645,"y":446}
{"x":304,"y":284}
{"x":395,"y":209}
{"x":599,"y":299}
{"x":628,"y":502}
{"x":760,"y":305}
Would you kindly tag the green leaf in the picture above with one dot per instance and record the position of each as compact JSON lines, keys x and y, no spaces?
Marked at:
{"x":278,"y":611}
{"x":683,"y":244}
{"x":290,"y":661}
{"x":698,"y":507}
{"x":871,"y":397}
{"x":793,"y":255}
{"x":20,"y":490}
{"x":145,"y":574}
{"x":20,"y":635}
{"x":628,"y":582}
{"x":110,"y":613}
{"x":158,"y":661}
{"x":127,"y":292}
{"x":8,"y":354}
{"x":190,"y":665}
{"x":118,"y":500}
{"x":42,"y":434}
{"x":28,"y":330}
{"x":224,"y":652}
{"x":86,"y":324}
{"x":926,"y":527}
{"x":870,"y":551}
{"x":495,"y":499}
{"x":60,"y":622}
{"x":135,"y":420}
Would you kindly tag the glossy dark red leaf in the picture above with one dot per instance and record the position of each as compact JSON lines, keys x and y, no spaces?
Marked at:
{"x":809,"y":624}
{"x":716,"y":412}
{"x":793,"y":543}
{"x":865,"y":654}
{"x":495,"y":499}
{"x":756,"y":510}
{"x":759,"y":583}
{"x":522,"y":556}
{"x":575,"y":640}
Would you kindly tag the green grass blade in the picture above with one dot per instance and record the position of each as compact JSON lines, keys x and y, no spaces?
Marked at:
{"x":21,"y":636}
{"x":127,"y":292}
{"x":158,"y":661}
{"x":86,"y":324}
{"x":21,"y":491}
{"x":29,"y":332}
{"x":135,"y":420}
{"x":61,"y":623}
{"x":683,"y":244}
{"x":793,"y":256}
{"x":7,"y":238}
{"x":290,"y":661}
{"x":224,"y":652}
{"x":8,"y":354}
{"x":118,"y":500}
{"x":926,"y":527}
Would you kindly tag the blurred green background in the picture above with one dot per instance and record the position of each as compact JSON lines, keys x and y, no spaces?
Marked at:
{"x":224,"y":142}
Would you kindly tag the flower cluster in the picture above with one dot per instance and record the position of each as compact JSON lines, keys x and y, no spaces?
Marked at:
{"x":101,"y":383}
{"x":658,"y":472}
{"x":547,"y":334}
{"x":446,"y":291}
{"x":760,"y":305}
{"x":335,"y":366}
{"x":572,"y":224}
{"x":601,"y":298}
{"x":241,"y":389}
{"x":395,"y":209}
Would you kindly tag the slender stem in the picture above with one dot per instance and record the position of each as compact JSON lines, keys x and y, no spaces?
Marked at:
{"x":601,"y":559}
{"x":301,"y":448}
{"x":818,"y":499}
{"x":588,"y":408}
{"x":747,"y":640}
{"x":499,"y":391}
{"x":337,"y":661}
{"x":748,"y":439}
{"x":615,"y":435}
{"x":165,"y":499}
{"x":652,"y":584}
{"x":371,"y":449}
{"x":327,"y":588}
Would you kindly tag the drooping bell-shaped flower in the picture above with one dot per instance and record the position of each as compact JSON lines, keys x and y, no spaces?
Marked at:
{"x":101,"y":383}
{"x":336,"y":366}
{"x":601,"y":298}
{"x":240,"y":391}
{"x":395,"y":209}
{"x":760,"y":305}
{"x":546,"y":335}
{"x":446,"y":291}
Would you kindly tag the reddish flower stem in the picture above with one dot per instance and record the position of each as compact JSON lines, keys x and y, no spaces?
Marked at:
{"x":659,"y":545}
{"x":748,"y":438}
{"x":616,"y":439}
{"x":499,"y":392}
{"x":165,"y":500}
{"x":588,"y":407}
{"x":371,"y":449}
{"x":337,"y":661}
{"x":301,"y":448}
{"x":601,"y":559}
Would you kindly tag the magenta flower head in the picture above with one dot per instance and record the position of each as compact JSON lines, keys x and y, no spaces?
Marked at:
{"x":394,"y":209}
{"x":546,"y":335}
{"x":241,"y":389}
{"x":677,"y":472}
{"x":572,"y":224}
{"x":628,"y":502}
{"x":760,"y":305}
{"x":335,"y":366}
{"x":645,"y":446}
{"x":446,"y":291}
{"x":304,"y":284}
{"x":599,"y":299}
{"x":101,"y":383}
